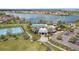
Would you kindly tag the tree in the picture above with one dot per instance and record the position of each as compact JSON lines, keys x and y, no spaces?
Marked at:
{"x":2,"y":37}
{"x":29,"y":23}
{"x":11,"y":21}
{"x":60,"y":24}
{"x":17,"y":18}
{"x":2,"y":13}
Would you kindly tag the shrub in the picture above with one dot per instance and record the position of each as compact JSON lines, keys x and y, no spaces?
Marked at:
{"x":26,"y":37}
{"x":59,"y":37}
{"x":73,"y":39}
{"x":77,"y":35}
{"x":3,"y":38}
{"x":15,"y":36}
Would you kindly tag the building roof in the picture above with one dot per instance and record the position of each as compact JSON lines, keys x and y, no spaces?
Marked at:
{"x":43,"y":30}
{"x":39,"y":25}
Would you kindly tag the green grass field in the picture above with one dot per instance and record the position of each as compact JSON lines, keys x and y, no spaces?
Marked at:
{"x":21,"y":45}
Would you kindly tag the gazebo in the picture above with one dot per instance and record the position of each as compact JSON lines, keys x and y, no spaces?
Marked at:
{"x":43,"y":31}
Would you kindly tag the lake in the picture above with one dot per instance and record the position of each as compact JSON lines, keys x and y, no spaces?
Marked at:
{"x":14,"y":30}
{"x":37,"y":17}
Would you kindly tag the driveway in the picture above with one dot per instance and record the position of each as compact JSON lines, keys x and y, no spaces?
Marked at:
{"x":43,"y":38}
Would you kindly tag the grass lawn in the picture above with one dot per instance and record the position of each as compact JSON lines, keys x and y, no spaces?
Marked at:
{"x":52,"y":48}
{"x":21,"y":45}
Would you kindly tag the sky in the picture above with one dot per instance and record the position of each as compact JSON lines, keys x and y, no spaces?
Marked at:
{"x":38,"y":4}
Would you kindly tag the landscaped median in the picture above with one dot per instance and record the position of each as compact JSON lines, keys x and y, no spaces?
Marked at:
{"x":60,"y":45}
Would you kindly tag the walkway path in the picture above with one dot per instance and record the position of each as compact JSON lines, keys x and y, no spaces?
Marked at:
{"x":44,"y":39}
{"x":27,"y":32}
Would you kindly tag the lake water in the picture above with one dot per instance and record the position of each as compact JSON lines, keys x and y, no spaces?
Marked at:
{"x":37,"y":17}
{"x":15,"y":30}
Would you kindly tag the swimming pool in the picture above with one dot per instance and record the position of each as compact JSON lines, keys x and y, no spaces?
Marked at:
{"x":13,"y":30}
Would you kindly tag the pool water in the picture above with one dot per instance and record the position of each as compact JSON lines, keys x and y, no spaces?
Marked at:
{"x":14,"y":30}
